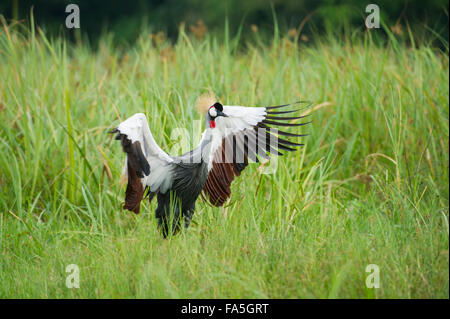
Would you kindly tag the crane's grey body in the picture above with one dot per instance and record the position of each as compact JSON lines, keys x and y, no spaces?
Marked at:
{"x":179,"y":202}
{"x":190,"y":171}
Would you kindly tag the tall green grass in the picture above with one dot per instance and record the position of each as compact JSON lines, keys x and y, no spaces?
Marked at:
{"x":369,"y":187}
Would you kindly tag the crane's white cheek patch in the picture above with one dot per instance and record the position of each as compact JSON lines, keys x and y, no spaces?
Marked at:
{"x":212,"y":112}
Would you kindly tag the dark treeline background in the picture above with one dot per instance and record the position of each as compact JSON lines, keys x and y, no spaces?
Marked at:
{"x":126,"y":19}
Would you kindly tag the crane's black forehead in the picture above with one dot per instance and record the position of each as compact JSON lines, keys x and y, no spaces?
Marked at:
{"x":218,"y":106}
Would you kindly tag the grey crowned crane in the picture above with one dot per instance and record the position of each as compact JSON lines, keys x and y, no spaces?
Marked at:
{"x":233,"y":136}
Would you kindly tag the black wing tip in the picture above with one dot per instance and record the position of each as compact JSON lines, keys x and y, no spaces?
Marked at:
{"x":136,"y":157}
{"x":146,"y":168}
{"x":284,"y":124}
{"x":285,"y":148}
{"x":284,"y":105}
{"x":282,"y":112}
{"x":283,"y":118}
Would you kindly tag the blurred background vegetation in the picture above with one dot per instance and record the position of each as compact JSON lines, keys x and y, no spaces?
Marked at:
{"x":126,"y":20}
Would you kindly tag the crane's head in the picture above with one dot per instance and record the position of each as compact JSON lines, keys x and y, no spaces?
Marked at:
{"x":207,"y":104}
{"x":214,"y":112}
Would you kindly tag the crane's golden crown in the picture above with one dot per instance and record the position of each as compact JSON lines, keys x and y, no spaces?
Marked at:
{"x":204,"y":102}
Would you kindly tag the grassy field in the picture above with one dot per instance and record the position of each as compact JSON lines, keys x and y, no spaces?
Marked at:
{"x":370,"y":186}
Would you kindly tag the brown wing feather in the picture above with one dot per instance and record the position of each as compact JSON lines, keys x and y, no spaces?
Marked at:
{"x":134,"y":192}
{"x":137,"y":167}
{"x":217,"y":186}
{"x":220,"y":177}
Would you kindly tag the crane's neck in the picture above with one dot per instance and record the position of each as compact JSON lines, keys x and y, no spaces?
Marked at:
{"x":205,"y":151}
{"x":210,"y":144}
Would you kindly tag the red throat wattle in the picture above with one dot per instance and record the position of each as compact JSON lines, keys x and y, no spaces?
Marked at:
{"x":212,"y":124}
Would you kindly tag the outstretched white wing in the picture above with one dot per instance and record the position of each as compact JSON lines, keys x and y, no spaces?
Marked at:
{"x":241,"y":117}
{"x":243,"y":134}
{"x":136,"y":129}
{"x":151,"y":164}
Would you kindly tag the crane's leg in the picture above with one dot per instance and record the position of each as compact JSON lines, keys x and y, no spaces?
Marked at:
{"x":188,"y":214}
{"x":168,"y":213}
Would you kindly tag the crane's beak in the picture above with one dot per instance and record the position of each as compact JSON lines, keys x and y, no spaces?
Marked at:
{"x":219,"y":113}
